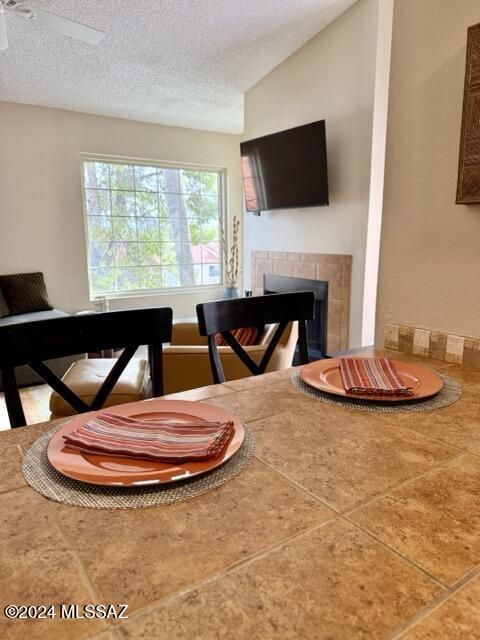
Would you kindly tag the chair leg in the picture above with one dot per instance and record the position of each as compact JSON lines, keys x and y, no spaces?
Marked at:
{"x":302,"y":342}
{"x":12,"y":399}
{"x":215,"y":362}
{"x":155,"y":361}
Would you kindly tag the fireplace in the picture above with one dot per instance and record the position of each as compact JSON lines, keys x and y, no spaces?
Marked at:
{"x":317,"y":327}
{"x":334,"y":269}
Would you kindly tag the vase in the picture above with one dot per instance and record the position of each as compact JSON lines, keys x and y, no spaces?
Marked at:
{"x":231,"y":292}
{"x":100,"y":304}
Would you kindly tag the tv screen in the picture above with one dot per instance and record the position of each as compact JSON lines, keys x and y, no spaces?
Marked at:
{"x":286,"y":169}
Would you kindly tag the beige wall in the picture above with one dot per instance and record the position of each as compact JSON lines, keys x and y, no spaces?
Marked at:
{"x":331,"y":77}
{"x":430,"y":248}
{"x":41,"y":216}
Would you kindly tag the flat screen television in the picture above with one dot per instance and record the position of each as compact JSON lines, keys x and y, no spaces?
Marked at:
{"x":286,"y":169}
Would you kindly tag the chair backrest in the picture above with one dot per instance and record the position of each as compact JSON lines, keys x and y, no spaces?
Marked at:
{"x":223,"y":316}
{"x":31,"y":343}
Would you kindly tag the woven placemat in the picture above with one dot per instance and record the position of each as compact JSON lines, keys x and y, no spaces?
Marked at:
{"x":42,"y":477}
{"x":450,"y":393}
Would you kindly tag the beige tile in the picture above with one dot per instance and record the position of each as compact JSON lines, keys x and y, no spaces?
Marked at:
{"x":137,"y":556}
{"x":455,"y":345}
{"x":344,"y":457}
{"x":333,"y":258}
{"x":471,"y":358}
{"x":282,"y":268}
{"x":457,"y":424}
{"x":278,"y":255}
{"x":438,"y":345}
{"x":38,"y":567}
{"x":334,"y":343}
{"x":201,"y":393}
{"x":429,"y":363}
{"x":253,"y":382}
{"x":421,"y":342}
{"x":304,"y":270}
{"x":344,"y":335}
{"x":267,"y":400}
{"x":11,"y":468}
{"x":332,"y":273}
{"x":347,"y":272}
{"x":23,"y":434}
{"x":405,"y":339}
{"x":421,"y":338}
{"x":454,"y":349}
{"x":433,"y":520}
{"x":391,"y":336}
{"x":260,"y":255}
{"x":467,"y":378}
{"x":333,"y":583}
{"x":253,"y":269}
{"x":261,"y":267}
{"x":458,"y":618}
{"x":334,"y":317}
{"x":310,"y":257}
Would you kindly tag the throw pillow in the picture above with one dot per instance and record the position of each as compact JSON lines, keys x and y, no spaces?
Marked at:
{"x":246,"y":336}
{"x":25,"y":292}
{"x":3,"y":306}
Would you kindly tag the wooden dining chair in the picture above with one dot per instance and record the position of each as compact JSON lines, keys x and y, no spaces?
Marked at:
{"x":31,"y":343}
{"x":223,"y":316}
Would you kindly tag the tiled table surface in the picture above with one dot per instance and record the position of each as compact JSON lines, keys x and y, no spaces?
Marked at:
{"x":346,"y":525}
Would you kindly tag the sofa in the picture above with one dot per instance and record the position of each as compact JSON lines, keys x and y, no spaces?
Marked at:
{"x":186,"y":363}
{"x":25,"y":376}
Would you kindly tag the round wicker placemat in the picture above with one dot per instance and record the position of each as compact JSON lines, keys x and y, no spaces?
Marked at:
{"x":42,"y":477}
{"x":450,"y":393}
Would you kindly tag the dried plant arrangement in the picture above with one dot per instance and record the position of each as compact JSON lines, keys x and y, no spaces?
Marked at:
{"x":231,"y":254}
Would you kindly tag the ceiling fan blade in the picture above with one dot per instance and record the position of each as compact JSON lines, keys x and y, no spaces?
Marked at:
{"x":67,"y":27}
{"x":3,"y":31}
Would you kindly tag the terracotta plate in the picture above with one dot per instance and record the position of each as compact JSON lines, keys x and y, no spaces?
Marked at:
{"x":325,"y":376}
{"x":119,"y":471}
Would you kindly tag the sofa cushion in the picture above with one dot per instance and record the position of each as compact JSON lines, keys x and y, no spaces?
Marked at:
{"x":4,"y":310}
{"x":25,"y":292}
{"x":32,"y":317}
{"x":85,"y":377}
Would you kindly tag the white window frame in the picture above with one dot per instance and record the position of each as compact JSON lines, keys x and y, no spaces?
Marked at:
{"x":161,"y":164}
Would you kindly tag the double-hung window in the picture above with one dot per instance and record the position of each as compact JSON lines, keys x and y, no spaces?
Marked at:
{"x":151,"y":226}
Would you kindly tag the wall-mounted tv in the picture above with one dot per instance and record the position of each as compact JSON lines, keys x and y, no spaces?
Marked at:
{"x":286,"y":169}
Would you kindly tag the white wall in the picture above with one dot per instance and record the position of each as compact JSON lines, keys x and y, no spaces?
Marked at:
{"x":41,"y":215}
{"x":331,"y":77}
{"x":377,"y":170}
{"x":430,"y":249}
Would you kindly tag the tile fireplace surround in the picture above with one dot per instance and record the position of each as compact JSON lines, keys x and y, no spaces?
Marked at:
{"x":335,"y":269}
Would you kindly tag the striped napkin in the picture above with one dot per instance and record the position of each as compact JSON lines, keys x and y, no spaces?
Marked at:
{"x":375,"y":376}
{"x":111,"y":434}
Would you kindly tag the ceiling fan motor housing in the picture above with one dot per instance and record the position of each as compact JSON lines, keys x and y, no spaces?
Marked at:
{"x":22,"y":7}
{"x":48,"y":20}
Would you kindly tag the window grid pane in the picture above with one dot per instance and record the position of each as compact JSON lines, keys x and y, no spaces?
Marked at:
{"x":151,"y":227}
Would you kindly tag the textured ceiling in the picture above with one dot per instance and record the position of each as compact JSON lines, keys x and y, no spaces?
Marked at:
{"x":178,"y":62}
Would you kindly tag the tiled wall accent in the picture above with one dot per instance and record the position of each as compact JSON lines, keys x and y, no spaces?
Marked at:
{"x":433,"y":344}
{"x":335,"y":269}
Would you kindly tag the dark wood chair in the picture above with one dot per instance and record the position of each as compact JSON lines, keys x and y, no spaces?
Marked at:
{"x":223,"y":316}
{"x":31,"y":343}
